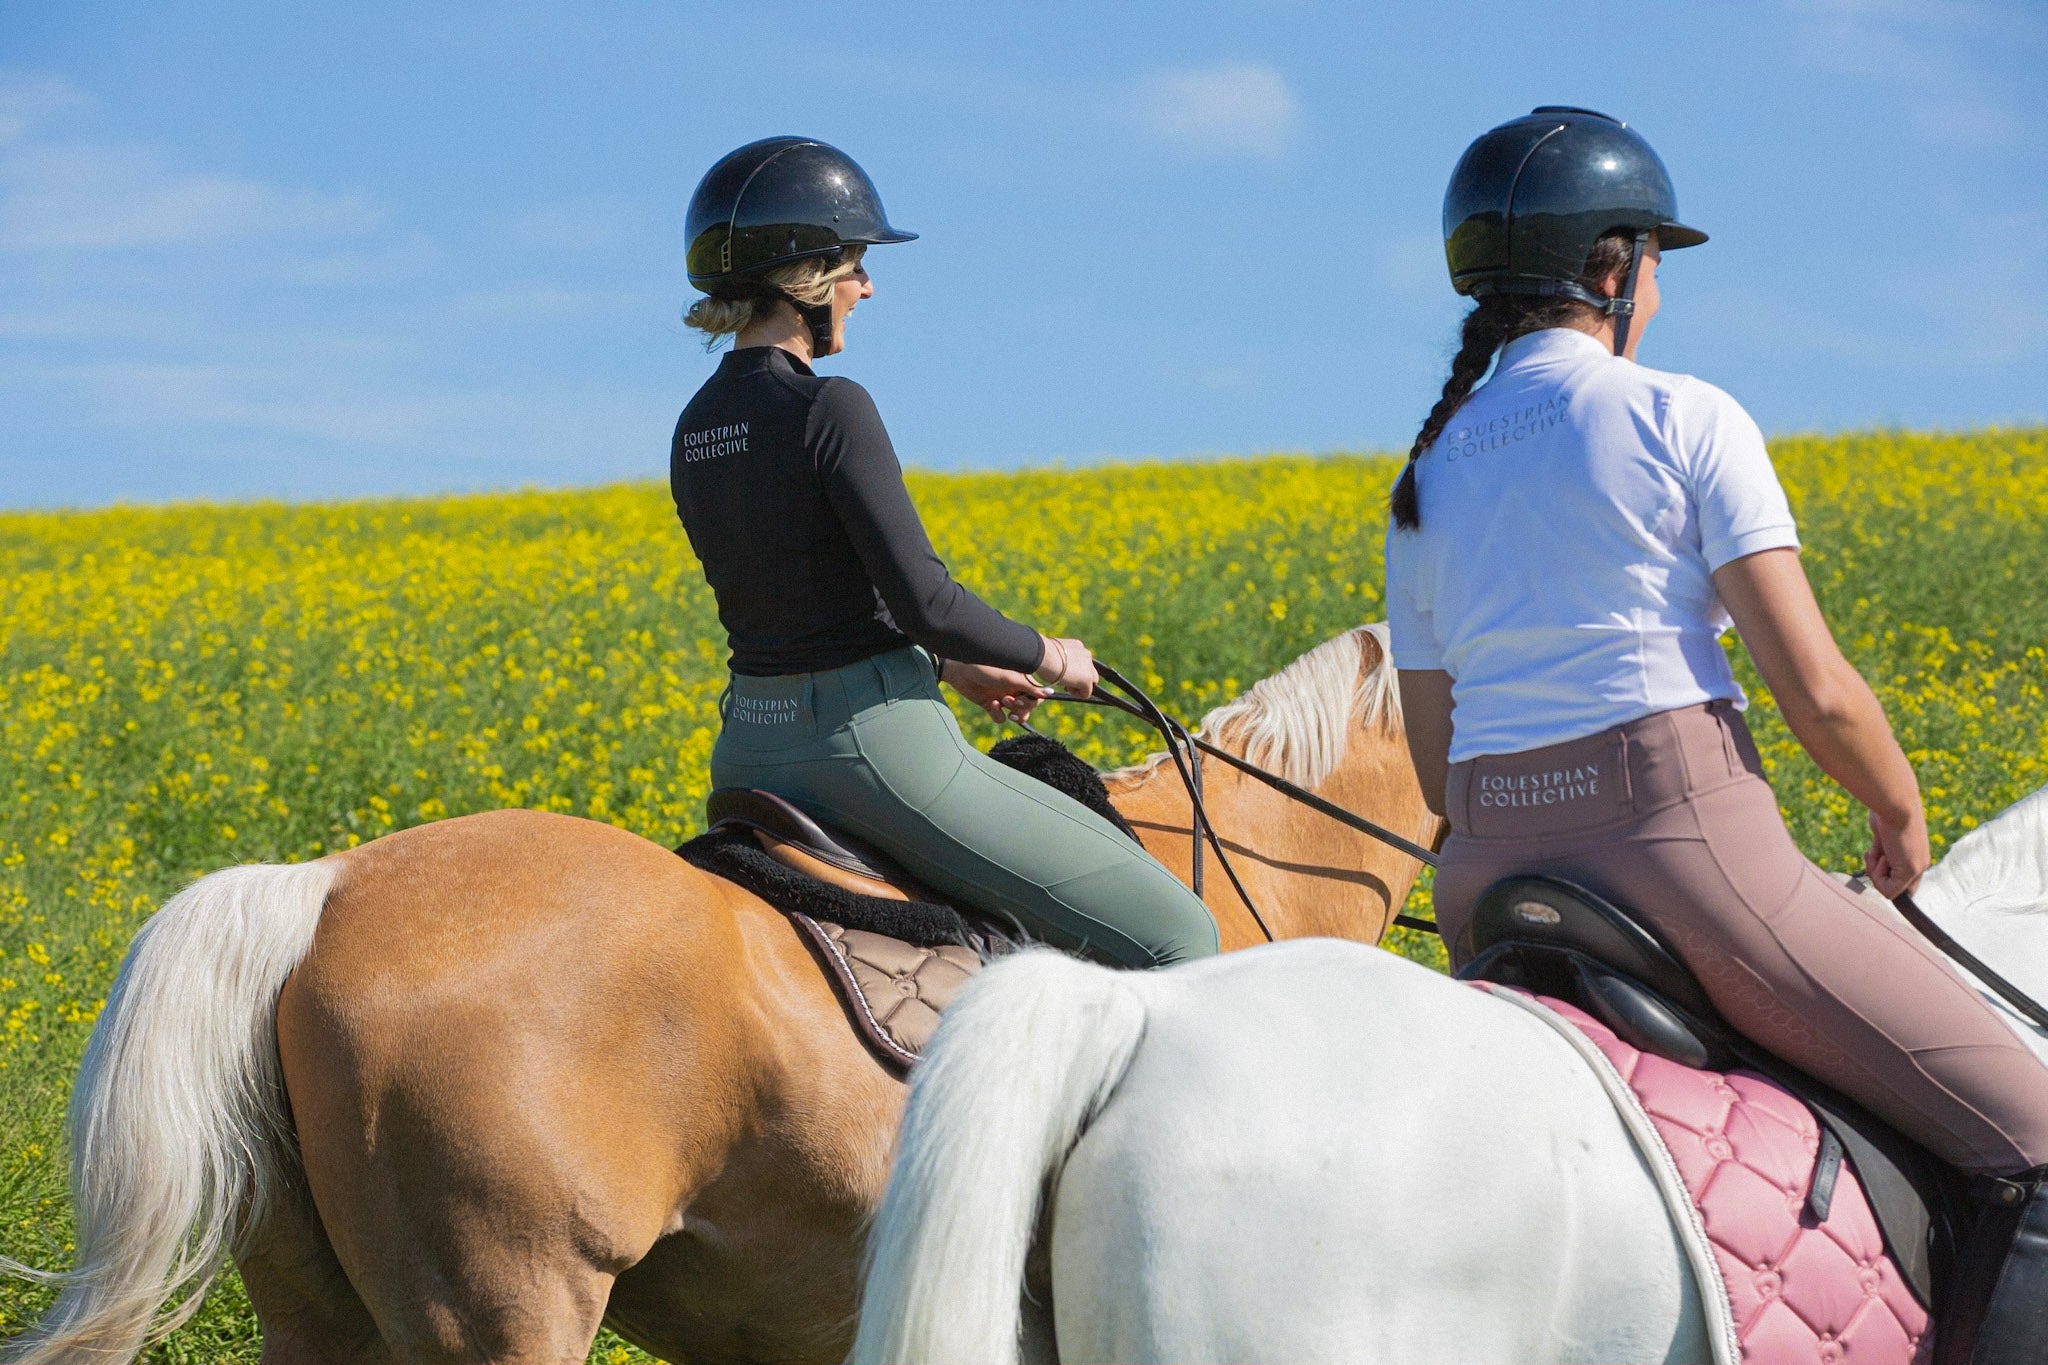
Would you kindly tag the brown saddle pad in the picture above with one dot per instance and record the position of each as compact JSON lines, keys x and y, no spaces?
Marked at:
{"x":893,"y":991}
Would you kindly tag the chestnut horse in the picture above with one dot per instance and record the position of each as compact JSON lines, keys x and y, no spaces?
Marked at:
{"x":465,"y":1093}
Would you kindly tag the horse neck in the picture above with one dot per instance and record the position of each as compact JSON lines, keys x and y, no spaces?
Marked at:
{"x":1309,"y":875}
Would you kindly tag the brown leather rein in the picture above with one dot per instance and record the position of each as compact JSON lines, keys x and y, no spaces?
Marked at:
{"x":1185,"y":748}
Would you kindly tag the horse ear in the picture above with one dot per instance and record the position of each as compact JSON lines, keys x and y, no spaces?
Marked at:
{"x":1379,"y":693}
{"x":1372,"y":649}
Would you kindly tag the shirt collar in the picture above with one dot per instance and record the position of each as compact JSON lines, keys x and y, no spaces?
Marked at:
{"x":1552,"y":343}
{"x":748,"y":358}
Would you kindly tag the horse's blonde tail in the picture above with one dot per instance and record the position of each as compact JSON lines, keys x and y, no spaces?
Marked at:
{"x":179,"y":1126}
{"x":1019,"y":1064}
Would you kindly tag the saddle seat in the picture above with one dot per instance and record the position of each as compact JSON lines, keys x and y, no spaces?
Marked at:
{"x":1552,"y":938}
{"x":1547,"y":936}
{"x":802,"y":845}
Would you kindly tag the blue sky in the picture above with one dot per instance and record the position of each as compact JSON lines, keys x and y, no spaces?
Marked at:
{"x":299,"y":250}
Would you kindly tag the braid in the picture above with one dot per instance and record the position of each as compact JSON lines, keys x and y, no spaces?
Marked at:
{"x":1486,"y":329}
{"x":1496,"y":320}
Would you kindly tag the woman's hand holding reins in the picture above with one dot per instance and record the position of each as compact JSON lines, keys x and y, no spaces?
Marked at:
{"x":1004,"y":693}
{"x":1899,"y":853}
{"x":1067,"y":665}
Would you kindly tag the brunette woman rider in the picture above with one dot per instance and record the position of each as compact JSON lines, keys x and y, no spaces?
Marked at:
{"x":1568,"y":543}
{"x":841,"y":619}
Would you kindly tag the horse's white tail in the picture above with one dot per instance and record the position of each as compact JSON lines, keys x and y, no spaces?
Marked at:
{"x":179,"y":1127}
{"x":1019,"y":1064}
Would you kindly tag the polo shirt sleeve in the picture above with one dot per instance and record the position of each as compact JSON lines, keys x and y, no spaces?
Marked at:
{"x":1738,"y":503}
{"x":1411,"y":629}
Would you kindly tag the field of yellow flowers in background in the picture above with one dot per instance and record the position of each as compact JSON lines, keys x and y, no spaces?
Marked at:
{"x":193,"y":686}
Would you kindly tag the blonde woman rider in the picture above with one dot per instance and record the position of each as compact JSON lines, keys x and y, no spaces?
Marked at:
{"x":1568,"y":542}
{"x":841,"y":619}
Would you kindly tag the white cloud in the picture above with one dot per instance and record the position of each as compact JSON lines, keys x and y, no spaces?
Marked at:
{"x":1976,"y":308}
{"x":379,"y":413}
{"x":1238,"y":108}
{"x":79,"y":197}
{"x":381,"y":259}
{"x":29,"y":99}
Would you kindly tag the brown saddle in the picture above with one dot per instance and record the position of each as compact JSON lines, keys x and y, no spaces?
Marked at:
{"x":892,"y":990}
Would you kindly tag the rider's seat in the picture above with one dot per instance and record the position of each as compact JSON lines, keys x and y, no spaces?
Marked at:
{"x":1548,"y":936}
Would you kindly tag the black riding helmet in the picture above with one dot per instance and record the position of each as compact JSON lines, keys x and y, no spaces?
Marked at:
{"x":775,"y":201}
{"x":1530,"y":199}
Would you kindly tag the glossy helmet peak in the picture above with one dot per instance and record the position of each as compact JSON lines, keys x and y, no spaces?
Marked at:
{"x":1530,"y":199}
{"x":775,"y":201}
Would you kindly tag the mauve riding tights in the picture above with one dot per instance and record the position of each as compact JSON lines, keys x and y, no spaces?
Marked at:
{"x":1670,"y":816}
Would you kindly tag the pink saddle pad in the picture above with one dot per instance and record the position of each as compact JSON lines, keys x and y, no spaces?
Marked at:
{"x":1801,"y":1292}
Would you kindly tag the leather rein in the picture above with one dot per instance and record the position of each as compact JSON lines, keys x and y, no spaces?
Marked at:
{"x":1185,"y":748}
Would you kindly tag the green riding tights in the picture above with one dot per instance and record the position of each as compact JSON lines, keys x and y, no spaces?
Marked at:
{"x":872,"y":748}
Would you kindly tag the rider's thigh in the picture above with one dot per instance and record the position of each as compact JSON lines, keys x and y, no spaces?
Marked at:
{"x":1834,"y":983}
{"x":997,"y":838}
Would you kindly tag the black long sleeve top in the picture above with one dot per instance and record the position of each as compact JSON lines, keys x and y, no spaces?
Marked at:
{"x":794,"y":502}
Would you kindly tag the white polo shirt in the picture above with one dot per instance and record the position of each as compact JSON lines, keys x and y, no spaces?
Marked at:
{"x":1573,"y":513}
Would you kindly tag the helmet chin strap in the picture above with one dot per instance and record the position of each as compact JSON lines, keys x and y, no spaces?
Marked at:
{"x":816,"y":316}
{"x":1622,"y":307}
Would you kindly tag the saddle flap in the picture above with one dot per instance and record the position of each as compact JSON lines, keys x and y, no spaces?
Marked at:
{"x":1647,"y":1023}
{"x":893,"y":991}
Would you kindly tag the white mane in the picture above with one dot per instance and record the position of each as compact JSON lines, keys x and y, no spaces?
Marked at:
{"x":1298,"y":722}
{"x":1991,"y":892}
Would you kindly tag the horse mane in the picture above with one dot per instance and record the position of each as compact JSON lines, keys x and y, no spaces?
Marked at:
{"x":1298,"y":722}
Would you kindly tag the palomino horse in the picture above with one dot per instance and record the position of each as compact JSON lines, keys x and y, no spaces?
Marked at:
{"x":1310,"y":1153}
{"x":463,"y":1093}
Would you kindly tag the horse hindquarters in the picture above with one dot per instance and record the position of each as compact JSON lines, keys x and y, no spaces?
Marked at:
{"x":1020,"y":1061}
{"x":1318,"y":1153}
{"x":1323,"y":1153}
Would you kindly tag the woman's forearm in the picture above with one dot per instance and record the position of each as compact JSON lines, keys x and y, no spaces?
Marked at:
{"x":1825,"y":702}
{"x":1843,"y":727}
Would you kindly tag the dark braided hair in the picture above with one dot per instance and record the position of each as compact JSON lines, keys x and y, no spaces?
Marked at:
{"x":1493,"y":322}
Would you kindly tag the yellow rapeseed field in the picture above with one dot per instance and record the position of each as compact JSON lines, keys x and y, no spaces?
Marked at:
{"x":187,"y":687}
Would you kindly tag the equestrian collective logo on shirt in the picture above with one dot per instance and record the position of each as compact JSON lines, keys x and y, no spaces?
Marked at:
{"x":1504,"y":430}
{"x":714,"y":442}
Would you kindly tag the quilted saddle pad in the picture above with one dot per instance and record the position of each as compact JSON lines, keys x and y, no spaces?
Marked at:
{"x":892,"y":990}
{"x":1800,"y":1292}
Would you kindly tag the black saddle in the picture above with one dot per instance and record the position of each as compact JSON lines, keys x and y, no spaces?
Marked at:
{"x":1553,"y":938}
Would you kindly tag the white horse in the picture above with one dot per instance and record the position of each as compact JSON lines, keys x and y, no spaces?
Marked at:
{"x":1309,"y":1152}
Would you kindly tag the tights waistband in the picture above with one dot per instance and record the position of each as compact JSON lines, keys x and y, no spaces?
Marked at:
{"x":1603,"y":779}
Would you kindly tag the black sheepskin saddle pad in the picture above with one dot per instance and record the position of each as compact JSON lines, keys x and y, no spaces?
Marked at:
{"x":734,"y":855}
